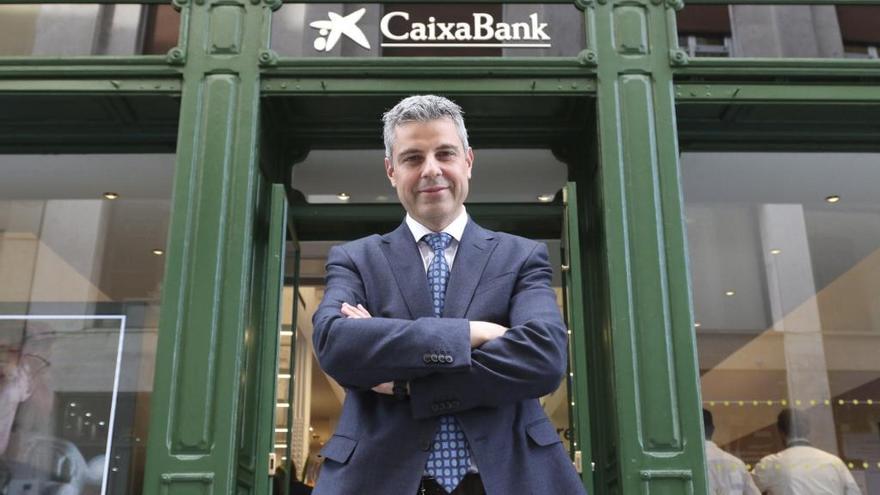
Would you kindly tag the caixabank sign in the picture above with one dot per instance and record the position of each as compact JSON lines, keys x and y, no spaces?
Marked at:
{"x":399,"y":29}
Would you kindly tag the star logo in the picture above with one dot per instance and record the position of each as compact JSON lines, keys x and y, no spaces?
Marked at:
{"x":330,"y":31}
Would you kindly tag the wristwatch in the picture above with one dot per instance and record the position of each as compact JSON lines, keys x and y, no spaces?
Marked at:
{"x":400,"y":389}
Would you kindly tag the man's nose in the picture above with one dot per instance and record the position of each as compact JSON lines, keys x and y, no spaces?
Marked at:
{"x":431,"y":168}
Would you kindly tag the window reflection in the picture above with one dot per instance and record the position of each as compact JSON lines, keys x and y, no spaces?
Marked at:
{"x":785,"y":288}
{"x":79,"y":306}
{"x":87,"y":29}
{"x":786,"y":31}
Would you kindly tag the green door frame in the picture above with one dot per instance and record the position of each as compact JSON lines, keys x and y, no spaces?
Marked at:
{"x":647,"y":433}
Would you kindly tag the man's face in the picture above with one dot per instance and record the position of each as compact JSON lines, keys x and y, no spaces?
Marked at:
{"x":430,"y":170}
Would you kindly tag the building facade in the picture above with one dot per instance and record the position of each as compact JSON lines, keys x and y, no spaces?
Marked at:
{"x":706,"y":177}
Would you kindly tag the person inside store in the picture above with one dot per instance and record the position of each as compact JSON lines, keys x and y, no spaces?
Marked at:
{"x":727,"y":473}
{"x":800,"y":468}
{"x":444,"y":334}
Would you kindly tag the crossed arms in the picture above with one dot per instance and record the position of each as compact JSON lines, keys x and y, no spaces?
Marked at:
{"x":488,"y":365}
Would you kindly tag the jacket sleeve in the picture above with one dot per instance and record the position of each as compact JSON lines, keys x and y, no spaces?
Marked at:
{"x":364,"y":352}
{"x":528,"y":361}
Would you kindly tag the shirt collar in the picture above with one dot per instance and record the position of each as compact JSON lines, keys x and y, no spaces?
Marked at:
{"x":455,"y":228}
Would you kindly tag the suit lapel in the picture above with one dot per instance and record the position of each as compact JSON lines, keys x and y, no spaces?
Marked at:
{"x":473,"y":253}
{"x":408,"y":268}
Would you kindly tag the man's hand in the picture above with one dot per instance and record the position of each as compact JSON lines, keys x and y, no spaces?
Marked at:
{"x":386,"y":388}
{"x":484,"y":331}
{"x":355,"y":311}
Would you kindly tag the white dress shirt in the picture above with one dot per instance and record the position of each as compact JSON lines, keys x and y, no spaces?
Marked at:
{"x":455,"y":229}
{"x":802,"y":470}
{"x":727,"y":474}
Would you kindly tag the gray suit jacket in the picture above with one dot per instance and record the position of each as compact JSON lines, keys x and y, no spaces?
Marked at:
{"x":381,"y":445}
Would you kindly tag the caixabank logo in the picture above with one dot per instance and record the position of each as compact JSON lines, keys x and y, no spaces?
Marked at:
{"x":481,"y":31}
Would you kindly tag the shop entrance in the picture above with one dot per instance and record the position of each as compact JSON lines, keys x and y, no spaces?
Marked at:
{"x":532,"y":152}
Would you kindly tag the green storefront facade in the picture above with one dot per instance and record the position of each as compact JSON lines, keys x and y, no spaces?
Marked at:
{"x":618,"y":113}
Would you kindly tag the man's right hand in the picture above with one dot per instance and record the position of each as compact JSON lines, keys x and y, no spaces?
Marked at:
{"x":484,"y":331}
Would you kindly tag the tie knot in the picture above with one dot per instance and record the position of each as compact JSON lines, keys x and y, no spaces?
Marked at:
{"x":438,"y":241}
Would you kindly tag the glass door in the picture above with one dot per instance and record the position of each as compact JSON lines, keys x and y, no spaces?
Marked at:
{"x":573,"y":301}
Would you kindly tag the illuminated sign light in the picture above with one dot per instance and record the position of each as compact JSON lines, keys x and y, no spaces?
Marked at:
{"x":459,"y":34}
{"x":482,"y":32}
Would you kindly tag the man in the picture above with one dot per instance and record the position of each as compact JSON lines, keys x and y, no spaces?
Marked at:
{"x":801,"y":469}
{"x":727,"y":474}
{"x":445,"y":335}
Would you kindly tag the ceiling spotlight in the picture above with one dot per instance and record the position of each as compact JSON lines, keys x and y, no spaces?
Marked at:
{"x":158,"y":252}
{"x":111,"y":195}
{"x":546,"y":198}
{"x":730,"y":293}
{"x":381,"y":197}
{"x":832,"y":199}
{"x":311,"y":429}
{"x":343,"y":197}
{"x":775,"y":251}
{"x":697,"y":324}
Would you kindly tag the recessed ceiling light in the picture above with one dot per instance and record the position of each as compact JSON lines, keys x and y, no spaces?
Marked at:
{"x":832,"y":199}
{"x":697,"y":324}
{"x":546,"y":198}
{"x":730,"y":293}
{"x":111,"y":195}
{"x":158,"y":252}
{"x":343,"y":197}
{"x":381,"y":197}
{"x":775,"y":251}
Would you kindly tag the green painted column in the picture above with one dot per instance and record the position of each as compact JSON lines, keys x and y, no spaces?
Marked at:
{"x":196,"y":429}
{"x":645,"y":322}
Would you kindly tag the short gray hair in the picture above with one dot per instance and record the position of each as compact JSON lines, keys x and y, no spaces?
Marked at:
{"x":422,"y":108}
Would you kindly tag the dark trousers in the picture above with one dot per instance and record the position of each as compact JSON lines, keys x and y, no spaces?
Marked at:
{"x":470,"y":485}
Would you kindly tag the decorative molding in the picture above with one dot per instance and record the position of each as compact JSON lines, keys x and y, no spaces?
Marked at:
{"x":588,"y":58}
{"x":631,"y":30}
{"x":583,"y":4}
{"x":657,"y":474}
{"x":675,"y":4}
{"x":273,"y":4}
{"x":182,"y":483}
{"x":678,"y":57}
{"x":227,"y":24}
{"x":176,"y":56}
{"x":179,"y":4}
{"x":268,"y":58}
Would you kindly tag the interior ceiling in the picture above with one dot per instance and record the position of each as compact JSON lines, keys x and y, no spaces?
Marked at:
{"x":353,"y":121}
{"x":499,"y":176}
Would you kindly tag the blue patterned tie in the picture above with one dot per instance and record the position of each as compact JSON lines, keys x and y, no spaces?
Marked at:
{"x":449,"y":458}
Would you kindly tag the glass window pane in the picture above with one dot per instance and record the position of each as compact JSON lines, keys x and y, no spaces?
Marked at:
{"x":82,"y":241}
{"x":87,"y":29}
{"x":785,"y":262}
{"x":779,"y":31}
{"x":408,"y":30}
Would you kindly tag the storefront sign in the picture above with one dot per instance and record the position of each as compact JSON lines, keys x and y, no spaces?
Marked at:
{"x":482,"y":31}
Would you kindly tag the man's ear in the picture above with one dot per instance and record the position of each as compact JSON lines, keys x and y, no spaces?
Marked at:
{"x":469,"y":159}
{"x":389,"y":171}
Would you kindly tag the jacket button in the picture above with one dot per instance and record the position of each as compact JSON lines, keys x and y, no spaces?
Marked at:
{"x":449,"y":359}
{"x":456,"y":403}
{"x":426,"y":358}
{"x":435,"y":358}
{"x":435,"y":407}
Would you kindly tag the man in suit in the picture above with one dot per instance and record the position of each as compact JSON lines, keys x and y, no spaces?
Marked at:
{"x":444,"y":334}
